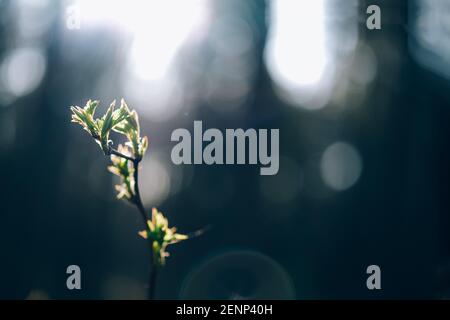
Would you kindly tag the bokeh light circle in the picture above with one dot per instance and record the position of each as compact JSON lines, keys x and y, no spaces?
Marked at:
{"x":340,"y":166}
{"x":23,"y":70}
{"x":236,"y":275}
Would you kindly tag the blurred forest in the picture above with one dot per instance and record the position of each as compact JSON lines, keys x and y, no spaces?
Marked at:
{"x":364,"y":147}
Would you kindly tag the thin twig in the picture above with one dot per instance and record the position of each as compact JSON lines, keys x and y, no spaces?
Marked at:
{"x":117,"y":153}
{"x":140,"y":206}
{"x":198,"y":232}
{"x":137,"y":200}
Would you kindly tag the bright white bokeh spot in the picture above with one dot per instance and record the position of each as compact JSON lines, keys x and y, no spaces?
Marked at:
{"x":161,"y":33}
{"x":309,"y":43}
{"x":340,"y":166}
{"x":159,"y":28}
{"x":296,"y":55}
{"x":22,"y":71}
{"x":157,"y":31}
{"x":149,"y":60}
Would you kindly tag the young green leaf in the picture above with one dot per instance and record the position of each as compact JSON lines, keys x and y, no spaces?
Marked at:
{"x":161,"y":236}
{"x":84,"y":117}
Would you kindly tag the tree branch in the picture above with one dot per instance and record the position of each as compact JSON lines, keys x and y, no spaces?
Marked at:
{"x":137,"y":200}
{"x":140,"y":206}
{"x":117,"y":153}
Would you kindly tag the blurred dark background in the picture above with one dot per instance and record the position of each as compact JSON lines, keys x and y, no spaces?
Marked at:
{"x":364,"y":147}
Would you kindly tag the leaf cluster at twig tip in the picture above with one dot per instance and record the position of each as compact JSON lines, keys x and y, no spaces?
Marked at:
{"x":125,"y":122}
{"x":120,"y":120}
{"x":161,"y":236}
